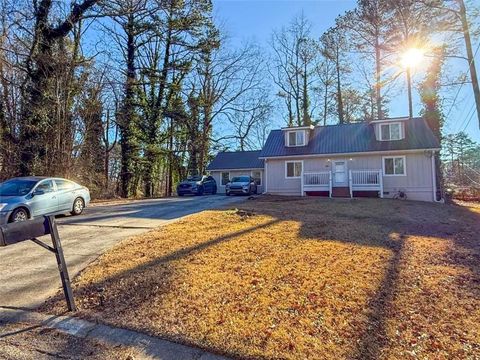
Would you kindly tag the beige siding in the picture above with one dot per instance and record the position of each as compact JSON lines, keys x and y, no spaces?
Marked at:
{"x":248,"y":172}
{"x":417,"y":183}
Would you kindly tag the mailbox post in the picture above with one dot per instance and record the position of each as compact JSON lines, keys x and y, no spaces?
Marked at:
{"x":32,"y":229}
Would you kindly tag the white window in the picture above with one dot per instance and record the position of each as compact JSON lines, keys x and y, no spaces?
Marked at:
{"x":293,"y":169}
{"x":296,"y":138}
{"x":257,"y":176}
{"x":394,"y":166}
{"x":225,"y":178}
{"x":390,"y":131}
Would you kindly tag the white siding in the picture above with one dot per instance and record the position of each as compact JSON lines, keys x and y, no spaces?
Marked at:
{"x":417,"y":183}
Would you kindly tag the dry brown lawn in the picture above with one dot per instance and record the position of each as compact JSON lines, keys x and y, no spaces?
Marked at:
{"x":291,"y":278}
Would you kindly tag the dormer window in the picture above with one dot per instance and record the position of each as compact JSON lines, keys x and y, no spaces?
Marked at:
{"x":391,"y":131}
{"x":296,"y":138}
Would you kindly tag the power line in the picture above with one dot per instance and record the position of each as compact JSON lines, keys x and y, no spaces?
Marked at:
{"x":461,"y":85}
{"x":473,"y":181}
{"x":469,"y":113}
{"x":468,"y":122}
{"x":475,"y":171}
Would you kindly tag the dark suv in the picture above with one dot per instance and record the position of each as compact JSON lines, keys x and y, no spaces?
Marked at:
{"x":197,"y":185}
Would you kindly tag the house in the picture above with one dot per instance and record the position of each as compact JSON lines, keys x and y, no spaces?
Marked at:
{"x":227,"y":165}
{"x":377,"y":158}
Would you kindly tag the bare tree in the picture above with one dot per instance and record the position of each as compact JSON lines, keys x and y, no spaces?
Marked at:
{"x":334,"y":45}
{"x":368,"y":27}
{"x":294,"y":68}
{"x":249,"y":120}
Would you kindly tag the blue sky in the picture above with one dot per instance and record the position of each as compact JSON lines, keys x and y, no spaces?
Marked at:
{"x":254,"y":20}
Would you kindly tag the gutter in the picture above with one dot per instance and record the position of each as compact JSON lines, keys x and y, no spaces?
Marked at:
{"x":252,"y":168}
{"x":349,"y":154}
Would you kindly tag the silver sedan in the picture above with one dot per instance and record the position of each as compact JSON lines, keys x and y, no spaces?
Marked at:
{"x":24,"y":198}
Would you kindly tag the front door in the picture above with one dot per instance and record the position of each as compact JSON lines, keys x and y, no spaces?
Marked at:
{"x":340,"y":173}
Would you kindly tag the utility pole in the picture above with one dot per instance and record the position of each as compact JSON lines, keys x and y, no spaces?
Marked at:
{"x":470,"y":56}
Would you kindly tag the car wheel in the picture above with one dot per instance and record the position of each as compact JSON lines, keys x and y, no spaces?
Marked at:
{"x":19,"y":215}
{"x":227,"y":193}
{"x":78,"y":206}
{"x":180,"y":194}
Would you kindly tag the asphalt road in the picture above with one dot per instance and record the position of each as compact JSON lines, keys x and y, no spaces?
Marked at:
{"x":28,"y":273}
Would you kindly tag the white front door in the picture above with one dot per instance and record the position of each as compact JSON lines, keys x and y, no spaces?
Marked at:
{"x":340,"y":173}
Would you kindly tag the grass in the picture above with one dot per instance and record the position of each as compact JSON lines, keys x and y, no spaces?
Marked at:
{"x":295,"y":278}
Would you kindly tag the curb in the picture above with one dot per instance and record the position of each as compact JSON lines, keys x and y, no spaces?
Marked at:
{"x":152,"y":347}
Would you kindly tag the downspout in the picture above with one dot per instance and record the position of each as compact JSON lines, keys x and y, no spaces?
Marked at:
{"x":434,"y":181}
{"x":266,"y":176}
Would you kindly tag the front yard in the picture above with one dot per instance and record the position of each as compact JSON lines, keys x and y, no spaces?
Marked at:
{"x":300,"y":279}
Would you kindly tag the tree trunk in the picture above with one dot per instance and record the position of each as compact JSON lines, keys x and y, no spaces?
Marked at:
{"x":40,"y":68}
{"x":409,"y":91}
{"x":157,"y":114}
{"x":127,"y":123}
{"x":378,"y":78}
{"x":306,"y":115}
{"x":170,"y":161}
{"x":341,"y":117}
{"x":325,"y":106}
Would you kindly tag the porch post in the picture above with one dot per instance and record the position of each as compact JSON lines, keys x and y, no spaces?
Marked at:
{"x":380,"y":177}
{"x":330,"y":184}
{"x":301,"y":181}
{"x":350,"y":183}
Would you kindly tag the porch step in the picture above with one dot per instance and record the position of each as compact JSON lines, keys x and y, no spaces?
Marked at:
{"x":343,"y":192}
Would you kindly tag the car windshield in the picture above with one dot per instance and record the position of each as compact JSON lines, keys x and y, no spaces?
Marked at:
{"x":241,"y":179}
{"x":194,"y":178}
{"x":16,"y":187}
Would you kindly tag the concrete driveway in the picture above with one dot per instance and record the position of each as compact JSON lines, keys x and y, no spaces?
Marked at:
{"x":28,"y":273}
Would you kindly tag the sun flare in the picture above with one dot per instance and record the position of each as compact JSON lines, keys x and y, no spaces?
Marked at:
{"x":412,"y":58}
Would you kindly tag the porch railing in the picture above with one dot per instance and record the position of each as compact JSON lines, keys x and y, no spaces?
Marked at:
{"x":318,"y":181}
{"x":366,"y":180}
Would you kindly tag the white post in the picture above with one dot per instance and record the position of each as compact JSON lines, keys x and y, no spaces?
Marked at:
{"x":302,"y":181}
{"x":350,"y":182}
{"x":330,"y":183}
{"x":380,"y":178}
{"x":434,"y":180}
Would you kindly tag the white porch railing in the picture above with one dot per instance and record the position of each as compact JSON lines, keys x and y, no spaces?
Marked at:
{"x":318,"y":181}
{"x":366,"y":180}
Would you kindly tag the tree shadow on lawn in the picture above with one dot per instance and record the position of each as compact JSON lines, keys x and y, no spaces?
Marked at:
{"x":317,"y":219}
{"x":408,"y":219}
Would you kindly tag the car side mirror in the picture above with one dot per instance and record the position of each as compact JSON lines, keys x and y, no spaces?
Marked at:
{"x":38,"y":192}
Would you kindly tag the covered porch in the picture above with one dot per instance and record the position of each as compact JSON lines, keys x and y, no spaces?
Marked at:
{"x":367,"y":180}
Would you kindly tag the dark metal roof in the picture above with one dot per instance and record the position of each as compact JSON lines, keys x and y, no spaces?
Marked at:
{"x":236,"y":160}
{"x":352,"y":138}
